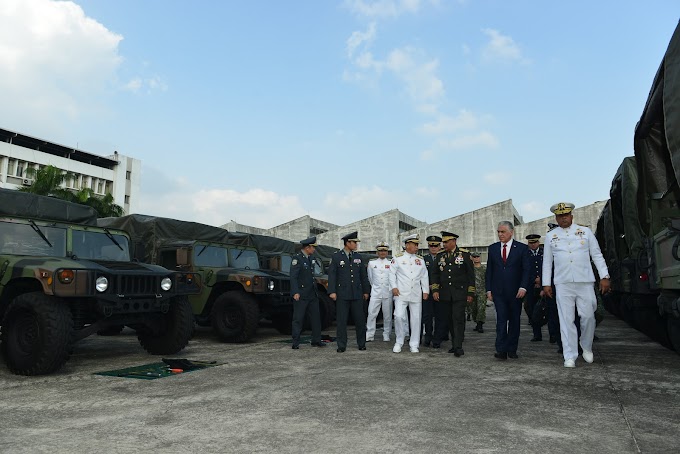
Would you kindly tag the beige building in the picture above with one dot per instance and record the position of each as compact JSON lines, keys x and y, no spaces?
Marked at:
{"x":115,"y":174}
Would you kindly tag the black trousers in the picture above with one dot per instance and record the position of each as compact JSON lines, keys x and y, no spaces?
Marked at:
{"x":428,"y":317}
{"x":532,"y":297}
{"x":450,"y":315}
{"x":342,"y":308}
{"x":301,"y":308}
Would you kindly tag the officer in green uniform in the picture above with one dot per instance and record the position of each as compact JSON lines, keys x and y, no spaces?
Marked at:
{"x":478,"y":306}
{"x":453,"y":288}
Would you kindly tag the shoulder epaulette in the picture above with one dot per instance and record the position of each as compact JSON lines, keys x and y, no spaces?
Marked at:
{"x":463,"y":249}
{"x":418,"y":255}
{"x":399,"y":254}
{"x":553,"y":228}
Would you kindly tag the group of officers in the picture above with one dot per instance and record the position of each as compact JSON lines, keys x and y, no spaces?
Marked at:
{"x":430,"y":294}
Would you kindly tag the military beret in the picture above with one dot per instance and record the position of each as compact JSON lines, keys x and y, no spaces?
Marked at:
{"x":354,"y":236}
{"x":562,"y":208}
{"x":446,"y":236}
{"x":533,"y":238}
{"x":412,"y":239}
{"x":311,"y":241}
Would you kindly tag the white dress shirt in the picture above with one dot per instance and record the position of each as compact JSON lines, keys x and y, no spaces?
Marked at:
{"x":408,"y":273}
{"x":379,"y":277}
{"x":571,"y":250}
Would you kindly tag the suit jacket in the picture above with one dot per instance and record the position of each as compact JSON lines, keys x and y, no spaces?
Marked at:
{"x":347,"y":278}
{"x":453,"y":275}
{"x":302,"y":276}
{"x":505,"y":279}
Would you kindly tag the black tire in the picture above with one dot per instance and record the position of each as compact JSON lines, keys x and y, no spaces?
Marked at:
{"x":111,"y":330}
{"x":326,"y":311}
{"x":235,"y":316}
{"x":177,"y":328}
{"x":36,"y":334}
{"x":283,"y":323}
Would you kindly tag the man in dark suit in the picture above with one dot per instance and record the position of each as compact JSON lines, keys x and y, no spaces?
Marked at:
{"x":453,"y":287}
{"x":535,"y":291}
{"x":508,"y":276}
{"x":348,"y":286}
{"x":303,"y":289}
{"x":434,"y":245}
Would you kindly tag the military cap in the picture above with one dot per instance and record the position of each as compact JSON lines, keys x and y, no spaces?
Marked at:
{"x":434,"y":240}
{"x":475,"y":254}
{"x":446,"y":236}
{"x":562,"y":208}
{"x":533,"y":238}
{"x":382,"y":246}
{"x":311,"y":241}
{"x":354,"y":236}
{"x":412,"y":239}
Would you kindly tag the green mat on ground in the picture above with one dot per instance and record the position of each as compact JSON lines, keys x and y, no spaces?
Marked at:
{"x":308,"y":339}
{"x":155,"y":370}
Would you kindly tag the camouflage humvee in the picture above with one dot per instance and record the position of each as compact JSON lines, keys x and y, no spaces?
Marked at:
{"x":64,"y":279}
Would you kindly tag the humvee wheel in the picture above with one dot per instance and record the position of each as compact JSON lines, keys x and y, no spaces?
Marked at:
{"x":326,"y":311}
{"x":36,"y":334}
{"x":283,"y":323}
{"x":177,"y":328}
{"x":235,"y":316}
{"x":111,"y":330}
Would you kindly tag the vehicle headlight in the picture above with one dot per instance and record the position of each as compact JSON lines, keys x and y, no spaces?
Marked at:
{"x":271,"y":285}
{"x":166,"y":284}
{"x":101,"y":284}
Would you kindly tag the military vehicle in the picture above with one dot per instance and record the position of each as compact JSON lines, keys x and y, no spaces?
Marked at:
{"x":236,"y":294}
{"x":639,"y":228}
{"x":62,"y":278}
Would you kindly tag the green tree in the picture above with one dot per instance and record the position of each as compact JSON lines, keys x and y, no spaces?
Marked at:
{"x":48,"y":181}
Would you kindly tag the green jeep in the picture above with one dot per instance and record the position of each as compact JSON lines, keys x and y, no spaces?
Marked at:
{"x":62,"y":281}
{"x":236,"y":294}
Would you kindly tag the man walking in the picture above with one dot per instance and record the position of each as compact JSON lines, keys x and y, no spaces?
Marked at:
{"x":478,"y":308}
{"x":410,"y":285}
{"x":535,"y":292}
{"x":303,"y":288}
{"x":434,"y":245}
{"x":381,"y":293}
{"x":571,"y":247}
{"x":453,"y":287}
{"x":508,"y":276}
{"x":348,"y":287}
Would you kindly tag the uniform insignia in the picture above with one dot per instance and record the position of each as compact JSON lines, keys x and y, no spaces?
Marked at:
{"x":419,"y":256}
{"x":463,"y":250}
{"x":441,"y":267}
{"x":418,"y":262}
{"x":387,"y":266}
{"x":342,"y":263}
{"x":399,"y":255}
{"x":393,"y":261}
{"x":580,"y":233}
{"x":294,"y":262}
{"x":458,"y":260}
{"x":442,"y":259}
{"x":357,"y":260}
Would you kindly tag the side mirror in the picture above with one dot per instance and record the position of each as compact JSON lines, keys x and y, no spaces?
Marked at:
{"x":182,"y":256}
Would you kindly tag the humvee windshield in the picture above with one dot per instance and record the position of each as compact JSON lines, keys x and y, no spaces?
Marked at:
{"x":98,"y":245}
{"x":285,"y":263}
{"x":244,"y":258}
{"x":213,"y":256}
{"x":26,"y":239}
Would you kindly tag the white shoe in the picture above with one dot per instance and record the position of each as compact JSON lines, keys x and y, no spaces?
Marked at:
{"x":369,"y":339}
{"x":587,"y":356}
{"x":414,"y":350}
{"x":569,"y":363}
{"x":396,"y":348}
{"x":386,"y":339}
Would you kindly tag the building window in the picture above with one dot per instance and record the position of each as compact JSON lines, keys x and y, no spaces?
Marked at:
{"x":11,"y":167}
{"x":127,"y":199}
{"x":404,"y":227}
{"x":100,"y":187}
{"x":313,"y":231}
{"x":20,"y":168}
{"x":108,"y":187}
{"x":127,"y":175}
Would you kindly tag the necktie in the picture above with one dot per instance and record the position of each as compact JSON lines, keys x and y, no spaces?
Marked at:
{"x":505,"y":256}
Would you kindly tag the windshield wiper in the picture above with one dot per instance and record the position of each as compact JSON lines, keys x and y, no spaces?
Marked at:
{"x":201,"y":251}
{"x":39,"y":232}
{"x":240,"y":252}
{"x":113,"y":239}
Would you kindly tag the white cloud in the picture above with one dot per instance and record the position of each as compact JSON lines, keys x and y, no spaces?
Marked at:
{"x":482,"y":139}
{"x":533,"y":210}
{"x":501,"y":48}
{"x":138,"y":84}
{"x":362,"y":199}
{"x":383,"y":8}
{"x":359,"y":38}
{"x":54,"y":60}
{"x":497,"y":178}
{"x":444,"y":124}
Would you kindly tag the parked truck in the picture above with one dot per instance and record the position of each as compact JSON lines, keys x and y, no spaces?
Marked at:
{"x":639,"y":228}
{"x":236,"y":293}
{"x":62,"y":278}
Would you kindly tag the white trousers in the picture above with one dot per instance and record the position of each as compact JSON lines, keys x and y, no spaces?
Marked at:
{"x":374,"y":307}
{"x":579,"y":295}
{"x":401,"y":321}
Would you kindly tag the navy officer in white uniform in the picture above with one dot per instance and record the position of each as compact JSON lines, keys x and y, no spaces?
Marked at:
{"x":410,"y":286}
{"x":571,"y":247}
{"x":381,"y":293}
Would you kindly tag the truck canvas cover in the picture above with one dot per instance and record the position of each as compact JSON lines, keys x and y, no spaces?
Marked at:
{"x":26,"y":205}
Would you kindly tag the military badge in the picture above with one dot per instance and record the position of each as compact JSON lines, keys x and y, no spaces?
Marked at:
{"x":387,"y":267}
{"x":459,"y":259}
{"x":294,"y":262}
{"x":417,"y":262}
{"x":357,"y":260}
{"x":580,"y":233}
{"x":342,"y":263}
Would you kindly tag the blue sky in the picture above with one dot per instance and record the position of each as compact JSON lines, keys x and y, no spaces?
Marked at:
{"x":264,"y":111}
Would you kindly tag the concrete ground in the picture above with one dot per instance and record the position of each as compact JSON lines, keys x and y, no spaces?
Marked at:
{"x":270,"y":398}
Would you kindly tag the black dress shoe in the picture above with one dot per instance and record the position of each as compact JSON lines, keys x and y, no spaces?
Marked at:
{"x":295,"y":347}
{"x":340,"y":350}
{"x":362,"y":348}
{"x":559,"y":349}
{"x":318,"y":344}
{"x":480,"y":329}
{"x":468,"y":317}
{"x":513,"y":355}
{"x":502,"y":355}
{"x":553,"y":339}
{"x":536,"y":339}
{"x":427,"y":343}
{"x":436,"y":345}
{"x":458,"y":352}
{"x":452,"y":350}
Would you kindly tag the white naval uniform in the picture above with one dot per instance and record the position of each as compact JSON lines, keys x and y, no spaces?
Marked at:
{"x":571,"y":250}
{"x":408,"y":273}
{"x":381,"y":297}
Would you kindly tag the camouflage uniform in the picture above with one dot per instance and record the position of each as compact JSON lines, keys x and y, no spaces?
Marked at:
{"x":478,"y":305}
